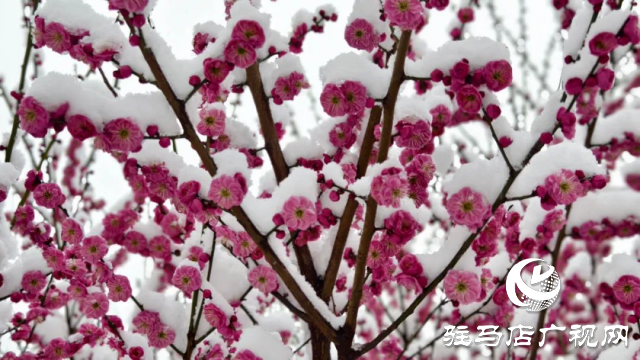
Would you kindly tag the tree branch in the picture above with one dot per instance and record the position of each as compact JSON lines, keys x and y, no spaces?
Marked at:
{"x":351,"y":207}
{"x":23,"y":75}
{"x":178,"y":107}
{"x":389,"y":103}
{"x":280,"y":168}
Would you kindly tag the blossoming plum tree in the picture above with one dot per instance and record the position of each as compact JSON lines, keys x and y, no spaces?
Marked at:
{"x":362,"y":239}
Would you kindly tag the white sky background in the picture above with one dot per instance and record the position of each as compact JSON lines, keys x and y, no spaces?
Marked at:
{"x":174,"y":20}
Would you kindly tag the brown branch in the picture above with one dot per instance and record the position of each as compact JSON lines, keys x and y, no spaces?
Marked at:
{"x":350,"y":208}
{"x":106,"y":82}
{"x":178,"y":107}
{"x":280,"y":168}
{"x":23,"y":75}
{"x":389,"y":102}
{"x":555,"y":256}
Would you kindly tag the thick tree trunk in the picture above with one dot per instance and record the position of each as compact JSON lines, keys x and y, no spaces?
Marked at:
{"x":320,"y":346}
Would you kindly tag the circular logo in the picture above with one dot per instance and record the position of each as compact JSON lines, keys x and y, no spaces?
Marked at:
{"x":543,"y":288}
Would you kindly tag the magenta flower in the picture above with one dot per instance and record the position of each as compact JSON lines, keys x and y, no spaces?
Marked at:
{"x":554,"y":220}
{"x":355,"y":95}
{"x":564,"y":187}
{"x":56,"y":37}
{"x":95,"y":305}
{"x":468,"y":208}
{"x":420,"y":170}
{"x":215,"y":316}
{"x":119,"y":288}
{"x":249,"y":31}
{"x":389,"y":190}
{"x":200,"y":42}
{"x":298,"y":81}
{"x":299,"y":213}
{"x":468,"y":99}
{"x":401,"y":227}
{"x":361,"y":35}
{"x":240,"y":53}
{"x":410,"y":265}
{"x":123,"y":135}
{"x":243,"y":245}
{"x":333,"y":100}
{"x":407,"y":14}
{"x":342,"y":136}
{"x":603,"y":43}
{"x":465,"y":15}
{"x":161,"y":336}
{"x":216,"y":70}
{"x":94,"y":248}
{"x":212,"y":122}
{"x":376,"y":256}
{"x":187,"y":279}
{"x":627,"y":289}
{"x":135,"y":242}
{"x":631,"y":29}
{"x":57,"y":349}
{"x":33,"y":281}
{"x":34,"y":118}
{"x":246,"y":355}
{"x":226,"y":191}
{"x":71,"y":232}
{"x":81,"y":127}
{"x":264,"y":279}
{"x":498,"y":75}
{"x":413,"y":135}
{"x":134,"y":6}
{"x":462,"y":286}
{"x":146,"y":322}
{"x":49,"y":195}
{"x":284,"y":89}
{"x":188,"y":191}
{"x":160,"y":247}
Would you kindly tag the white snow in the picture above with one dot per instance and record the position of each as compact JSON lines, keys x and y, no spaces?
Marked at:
{"x":355,"y":67}
{"x":566,"y":155}
{"x":478,"y":50}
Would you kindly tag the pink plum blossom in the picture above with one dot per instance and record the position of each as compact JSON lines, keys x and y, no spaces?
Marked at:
{"x":249,"y":31}
{"x":212,"y":122}
{"x":226,"y":191}
{"x":49,"y":195}
{"x":462,"y":286}
{"x":264,"y":279}
{"x":564,"y":187}
{"x":498,"y":75}
{"x":33,"y":117}
{"x":299,"y":213}
{"x":468,"y":207}
{"x":187,"y":279}
{"x":240,"y":53}
{"x":407,"y":14}
{"x":361,"y":35}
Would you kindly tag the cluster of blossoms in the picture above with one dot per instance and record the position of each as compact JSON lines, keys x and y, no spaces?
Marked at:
{"x":117,"y":136}
{"x":565,"y":187}
{"x":301,"y":30}
{"x":374,"y":215}
{"x":350,"y":98}
{"x":59,"y":39}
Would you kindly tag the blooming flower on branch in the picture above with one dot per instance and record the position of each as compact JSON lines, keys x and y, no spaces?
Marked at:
{"x":468,"y":208}
{"x":462,"y":286}
{"x":299,"y":213}
{"x":187,"y":279}
{"x":264,"y":279}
